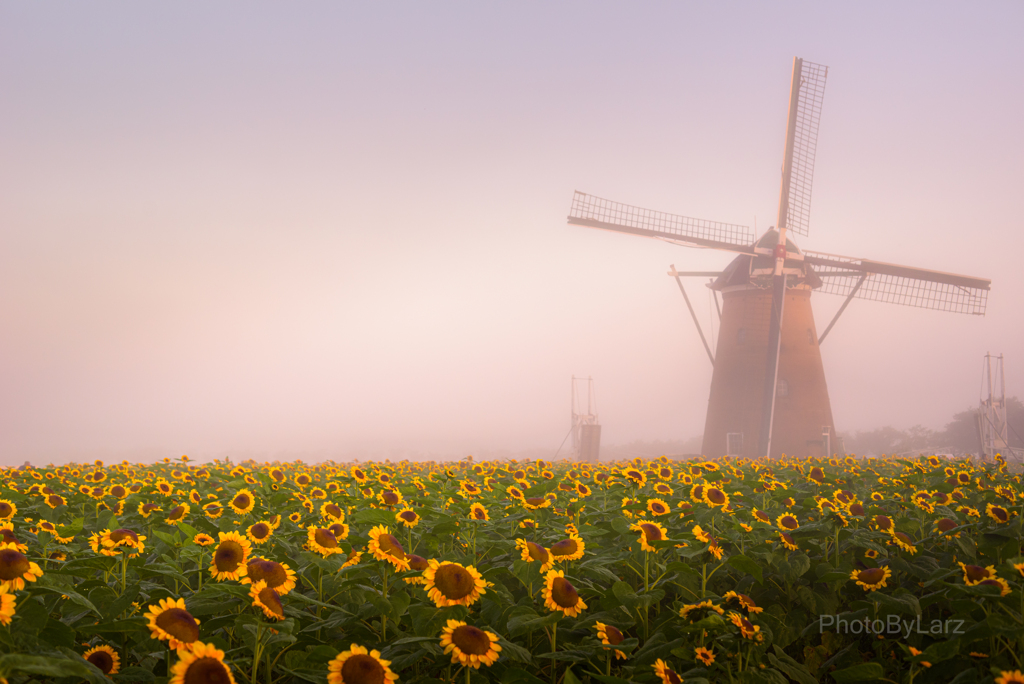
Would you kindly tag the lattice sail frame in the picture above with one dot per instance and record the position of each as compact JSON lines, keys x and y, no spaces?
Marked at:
{"x":899,"y":284}
{"x":805,"y":144}
{"x":596,"y":212}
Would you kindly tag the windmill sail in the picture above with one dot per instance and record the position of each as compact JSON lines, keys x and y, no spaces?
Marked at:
{"x":896,"y":284}
{"x":802,"y":142}
{"x":596,"y":212}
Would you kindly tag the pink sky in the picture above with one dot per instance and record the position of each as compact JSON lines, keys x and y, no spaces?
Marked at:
{"x":312,"y":230}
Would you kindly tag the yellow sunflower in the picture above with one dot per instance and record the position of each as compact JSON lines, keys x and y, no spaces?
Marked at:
{"x":649,"y":531}
{"x":610,"y":636}
{"x":658,"y":507}
{"x":204,"y":664}
{"x":787,"y":521}
{"x":242,"y":502}
{"x":700,"y":534}
{"x":568,"y":549}
{"x":665,"y":673}
{"x":871,"y":579}
{"x":704,"y":655}
{"x":530,"y":552}
{"x":534,"y":502}
{"x":266,"y":598}
{"x":407,"y":517}
{"x":715,"y":497}
{"x":384,"y":546}
{"x":104,"y":658}
{"x":177,"y":514}
{"x":903,"y":541}
{"x":359,"y":666}
{"x":997,"y":513}
{"x":7,"y":509}
{"x":452,"y":584}
{"x":695,"y":612}
{"x":16,"y":568}
{"x":7,"y":603}
{"x":213,"y":510}
{"x":788,"y":541}
{"x":203,"y":539}
{"x":1007,"y":677}
{"x":259,"y":532}
{"x":321,"y":540}
{"x":390,"y":498}
{"x":274,"y":575}
{"x":332,"y":511}
{"x":559,"y":594}
{"x":229,"y":560}
{"x":740,"y":602}
{"x":478,"y":512}
{"x":469,"y":646}
{"x":147,"y":509}
{"x":748,"y":630}
{"x":170,"y":621}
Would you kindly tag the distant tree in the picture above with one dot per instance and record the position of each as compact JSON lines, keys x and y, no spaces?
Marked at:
{"x":961,"y":433}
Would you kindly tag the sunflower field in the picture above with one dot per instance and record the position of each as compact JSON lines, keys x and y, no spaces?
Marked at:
{"x":646,"y":572}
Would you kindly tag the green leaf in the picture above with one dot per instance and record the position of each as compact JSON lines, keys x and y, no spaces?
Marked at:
{"x":791,"y":667}
{"x":746,"y":565}
{"x":620,"y":525}
{"x":864,"y":672}
{"x":72,"y":595}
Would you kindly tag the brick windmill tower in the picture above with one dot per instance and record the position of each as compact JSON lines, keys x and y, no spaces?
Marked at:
{"x":768,"y":390}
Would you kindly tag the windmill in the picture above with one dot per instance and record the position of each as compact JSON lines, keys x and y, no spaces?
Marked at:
{"x":768,"y":391}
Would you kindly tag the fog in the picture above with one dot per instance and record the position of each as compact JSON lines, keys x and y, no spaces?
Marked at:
{"x":332,"y":232}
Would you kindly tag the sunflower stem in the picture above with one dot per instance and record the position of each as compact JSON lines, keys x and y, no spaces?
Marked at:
{"x":554,"y":648}
{"x":256,"y":651}
{"x":468,"y":669}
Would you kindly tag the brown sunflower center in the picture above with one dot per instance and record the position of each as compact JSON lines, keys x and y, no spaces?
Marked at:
{"x":613,"y":634}
{"x":149,"y":508}
{"x":454,"y":581}
{"x":303,"y":480}
{"x":408,"y":516}
{"x":563,"y":593}
{"x":658,"y":508}
{"x":470,"y":640}
{"x":7,"y":536}
{"x":418,"y":563}
{"x":337,"y":529}
{"x":207,"y":671}
{"x":271,"y":600}
{"x":975,"y":573}
{"x":333,"y":510}
{"x":118,"y":491}
{"x":260,"y":530}
{"x":325,"y":539}
{"x":5,"y":510}
{"x":651,"y":531}
{"x":117,"y":536}
{"x":362,"y":668}
{"x":871,"y":575}
{"x":176,"y":513}
{"x":102,"y":660}
{"x":537,"y":552}
{"x":179,"y":624}
{"x":270,"y":572}
{"x":242,"y":501}
{"x":535,"y":500}
{"x":856,"y":509}
{"x":13,"y":564}
{"x":1000,"y":513}
{"x":228,"y":555}
{"x":883,"y":522}
{"x":716,"y":496}
{"x":945,"y":525}
{"x":566,"y":547}
{"x":672,"y":677}
{"x":389,"y":545}
{"x":389,"y":497}
{"x":904,"y":538}
{"x":789,"y":522}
